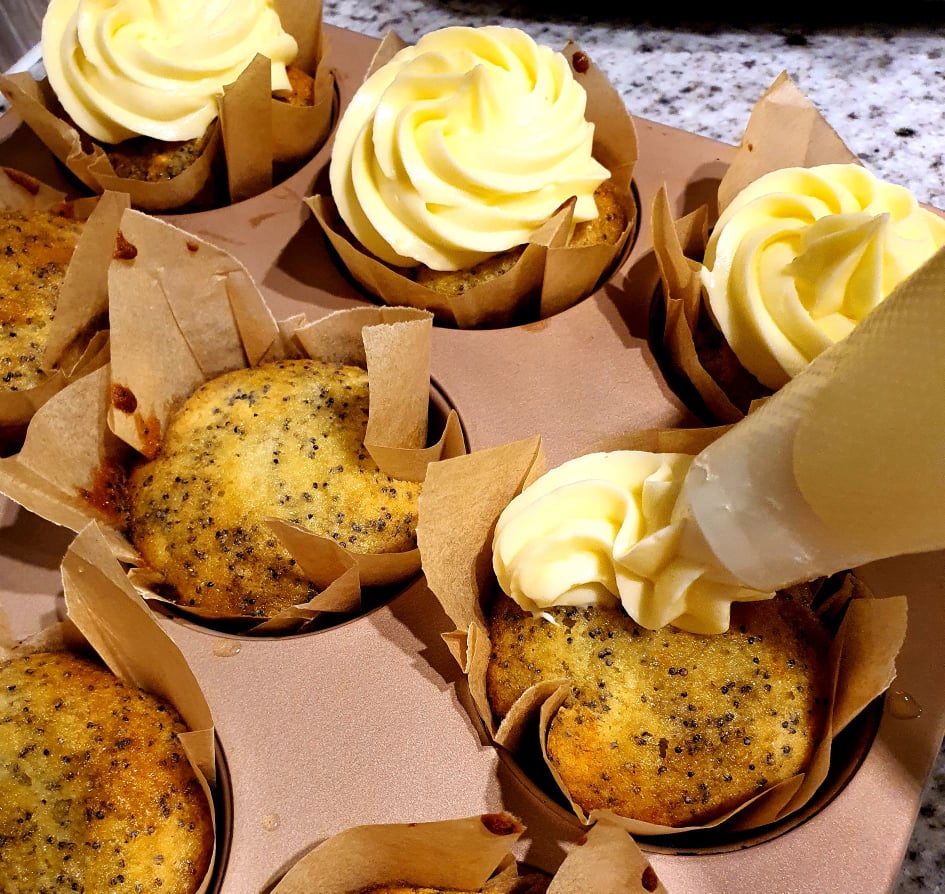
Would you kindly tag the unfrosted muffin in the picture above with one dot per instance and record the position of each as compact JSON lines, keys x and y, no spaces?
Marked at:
{"x":665,"y":726}
{"x":97,"y":792}
{"x":532,"y":883}
{"x":35,"y":250}
{"x":283,"y":440}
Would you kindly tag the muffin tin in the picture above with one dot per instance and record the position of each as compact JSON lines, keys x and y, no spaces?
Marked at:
{"x":368,"y":721}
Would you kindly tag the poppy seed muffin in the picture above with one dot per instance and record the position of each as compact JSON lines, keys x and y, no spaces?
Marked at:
{"x":96,"y":793}
{"x":283,"y":440}
{"x":36,"y":249}
{"x":665,"y":726}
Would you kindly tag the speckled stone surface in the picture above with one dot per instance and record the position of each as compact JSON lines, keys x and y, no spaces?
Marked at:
{"x":882,"y":88}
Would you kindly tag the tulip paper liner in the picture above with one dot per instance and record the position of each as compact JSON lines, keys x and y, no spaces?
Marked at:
{"x":456,"y":551}
{"x":105,"y":617}
{"x":550,"y":276}
{"x":784,"y":130}
{"x":254,"y":132}
{"x":470,"y":854}
{"x":183,"y":312}
{"x":76,"y":340}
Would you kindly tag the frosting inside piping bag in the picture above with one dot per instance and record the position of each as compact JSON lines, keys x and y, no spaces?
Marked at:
{"x":842,"y":466}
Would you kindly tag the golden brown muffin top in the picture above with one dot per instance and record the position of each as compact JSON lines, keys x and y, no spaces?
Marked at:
{"x":665,"y":726}
{"x":96,"y":793}
{"x":35,"y":250}
{"x":281,"y":440}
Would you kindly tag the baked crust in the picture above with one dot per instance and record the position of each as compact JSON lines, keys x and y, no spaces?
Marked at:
{"x":36,"y":249}
{"x":282,"y":440}
{"x":95,"y":791}
{"x":665,"y":726}
{"x":606,"y":228}
{"x":303,"y":87}
{"x":153,"y":160}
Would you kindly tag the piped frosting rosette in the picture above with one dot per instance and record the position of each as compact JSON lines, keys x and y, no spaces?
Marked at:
{"x":462,"y":146}
{"x":472,"y":142}
{"x":602,"y":528}
{"x":124,"y":69}
{"x":802,"y":255}
{"x":167,"y":70}
{"x":807,"y":244}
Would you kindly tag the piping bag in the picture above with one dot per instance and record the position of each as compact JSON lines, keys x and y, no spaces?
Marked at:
{"x":842,"y":466}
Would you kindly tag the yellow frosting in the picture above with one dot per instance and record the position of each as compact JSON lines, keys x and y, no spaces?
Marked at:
{"x":123,"y":68}
{"x":461,"y":146}
{"x":803,"y":254}
{"x":603,"y":528}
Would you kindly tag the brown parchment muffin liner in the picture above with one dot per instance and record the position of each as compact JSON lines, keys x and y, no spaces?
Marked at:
{"x":550,"y":276}
{"x":470,"y":854}
{"x":107,"y":618}
{"x":459,"y":507}
{"x":784,"y":130}
{"x":253,"y":135}
{"x":182,"y":312}
{"x":77,"y":337}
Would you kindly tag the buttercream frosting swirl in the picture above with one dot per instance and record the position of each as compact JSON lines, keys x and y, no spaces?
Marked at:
{"x":124,"y":68}
{"x":801,"y":255}
{"x":604,"y":528}
{"x":461,"y":146}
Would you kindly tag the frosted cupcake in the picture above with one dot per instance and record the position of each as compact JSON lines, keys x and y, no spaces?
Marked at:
{"x":465,"y":163}
{"x":135,"y":94}
{"x":799,"y":256}
{"x":653,"y":687}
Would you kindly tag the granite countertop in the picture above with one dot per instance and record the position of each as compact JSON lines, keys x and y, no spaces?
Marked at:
{"x":881,"y":87}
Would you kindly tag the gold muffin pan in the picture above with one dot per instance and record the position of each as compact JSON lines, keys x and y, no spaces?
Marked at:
{"x":367,"y":722}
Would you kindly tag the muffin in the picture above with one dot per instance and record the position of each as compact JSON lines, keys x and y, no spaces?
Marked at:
{"x":184,"y":312}
{"x":35,"y":250}
{"x":748,"y":702}
{"x":97,"y":792}
{"x":280,"y":440}
{"x":804,"y":248}
{"x":665,"y":726}
{"x":54,"y":257}
{"x":460,"y":193}
{"x":146,"y":121}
